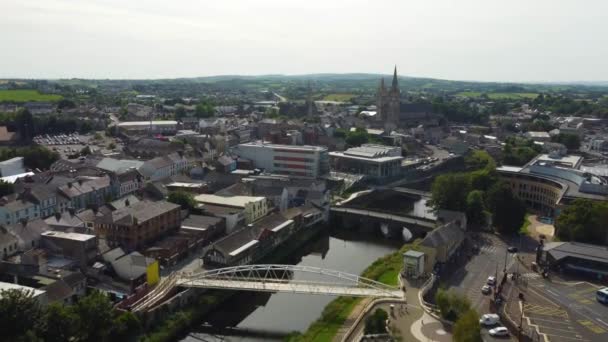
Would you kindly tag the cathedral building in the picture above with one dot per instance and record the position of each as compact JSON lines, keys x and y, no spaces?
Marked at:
{"x":391,"y":113}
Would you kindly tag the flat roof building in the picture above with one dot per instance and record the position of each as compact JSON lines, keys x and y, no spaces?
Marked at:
{"x":162,"y":127}
{"x":292,"y":160}
{"x":551,"y":181}
{"x":376,"y":162}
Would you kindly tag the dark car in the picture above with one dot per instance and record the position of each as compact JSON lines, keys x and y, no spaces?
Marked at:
{"x":512,"y":249}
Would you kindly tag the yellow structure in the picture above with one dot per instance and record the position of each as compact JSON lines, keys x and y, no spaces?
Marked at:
{"x":254,"y":207}
{"x":153,"y":273}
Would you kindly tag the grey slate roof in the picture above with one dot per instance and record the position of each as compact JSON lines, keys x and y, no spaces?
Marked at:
{"x":442,"y":235}
{"x":560,"y":250}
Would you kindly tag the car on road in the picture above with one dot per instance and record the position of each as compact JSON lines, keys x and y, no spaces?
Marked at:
{"x":486,"y":289}
{"x":512,"y":249}
{"x":499,"y":331}
{"x":489,"y":319}
{"x":491,"y":281}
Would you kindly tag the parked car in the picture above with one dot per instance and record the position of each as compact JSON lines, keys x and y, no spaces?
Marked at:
{"x":489,"y":319}
{"x":491,"y":281}
{"x":512,"y":249}
{"x":486,"y":289}
{"x":499,"y":331}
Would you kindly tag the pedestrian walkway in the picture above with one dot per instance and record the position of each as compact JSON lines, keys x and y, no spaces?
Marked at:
{"x":409,"y":322}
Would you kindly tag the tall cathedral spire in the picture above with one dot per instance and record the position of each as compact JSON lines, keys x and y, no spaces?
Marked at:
{"x":309,"y":101}
{"x":395,"y":85}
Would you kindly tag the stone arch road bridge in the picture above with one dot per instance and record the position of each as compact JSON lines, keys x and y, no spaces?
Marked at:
{"x":271,"y":278}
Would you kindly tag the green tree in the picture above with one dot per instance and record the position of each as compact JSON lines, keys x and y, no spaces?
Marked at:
{"x":183,"y":198}
{"x":571,"y":141}
{"x":467,"y":328}
{"x":450,"y":191}
{"x":126,"y":327}
{"x":357,"y":138}
{"x":508,"y":212}
{"x":476,"y":210}
{"x":21,"y":315}
{"x":376,"y":322}
{"x":584,"y":221}
{"x":451,"y":304}
{"x":25,"y":125}
{"x":60,"y":323}
{"x":204,"y":110}
{"x":478,"y":160}
{"x":85,"y":151}
{"x":95,"y":317}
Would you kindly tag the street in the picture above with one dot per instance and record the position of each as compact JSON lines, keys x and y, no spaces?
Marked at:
{"x":578,"y":317}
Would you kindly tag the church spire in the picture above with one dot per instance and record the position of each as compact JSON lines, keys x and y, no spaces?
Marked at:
{"x":309,"y":101}
{"x":395,"y":85}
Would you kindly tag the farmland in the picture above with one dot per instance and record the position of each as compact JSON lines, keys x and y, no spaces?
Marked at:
{"x":25,"y":95}
{"x":498,"y":95}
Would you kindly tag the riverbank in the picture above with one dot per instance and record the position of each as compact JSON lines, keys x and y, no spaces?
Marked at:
{"x":179,"y":322}
{"x":336,"y":313}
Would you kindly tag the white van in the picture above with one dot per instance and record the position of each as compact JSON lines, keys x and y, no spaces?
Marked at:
{"x":489,"y":319}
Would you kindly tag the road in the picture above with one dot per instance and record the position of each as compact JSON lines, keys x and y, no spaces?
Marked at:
{"x":469,"y":278}
{"x":583,"y":318}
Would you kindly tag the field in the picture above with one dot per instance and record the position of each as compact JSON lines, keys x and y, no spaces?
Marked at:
{"x":499,"y":96}
{"x":338,"y":97}
{"x":25,"y":95}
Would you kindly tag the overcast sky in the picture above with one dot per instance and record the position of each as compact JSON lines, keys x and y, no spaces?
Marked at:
{"x":489,"y":40}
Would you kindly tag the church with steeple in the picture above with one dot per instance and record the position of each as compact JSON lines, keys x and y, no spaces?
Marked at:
{"x":392,"y":113}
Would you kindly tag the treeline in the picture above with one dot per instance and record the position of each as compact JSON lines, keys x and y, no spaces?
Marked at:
{"x":568,"y":105}
{"x":457,"y":308}
{"x":480,"y":194}
{"x":92,"y":319}
{"x":34,"y":157}
{"x":29,"y":126}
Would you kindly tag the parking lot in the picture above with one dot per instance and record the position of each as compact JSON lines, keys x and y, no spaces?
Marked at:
{"x":72,"y":144}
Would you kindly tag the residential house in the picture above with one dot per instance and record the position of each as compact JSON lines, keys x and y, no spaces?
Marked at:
{"x":8,"y":243}
{"x":87,"y":192}
{"x":28,"y":233}
{"x":164,"y":167}
{"x":441,"y":244}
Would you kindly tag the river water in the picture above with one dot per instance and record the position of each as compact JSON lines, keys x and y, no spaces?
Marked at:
{"x":269,"y":317}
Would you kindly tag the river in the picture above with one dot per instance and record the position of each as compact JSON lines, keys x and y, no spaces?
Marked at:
{"x":269,"y":317}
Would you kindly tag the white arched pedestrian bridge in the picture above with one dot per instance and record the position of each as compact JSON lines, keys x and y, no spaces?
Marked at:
{"x":272,"y":278}
{"x":290,"y":279}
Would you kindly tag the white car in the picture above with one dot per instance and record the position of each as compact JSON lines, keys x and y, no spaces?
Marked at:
{"x":489,"y":319}
{"x":486,"y":290}
{"x":499,"y":331}
{"x":491,"y":281}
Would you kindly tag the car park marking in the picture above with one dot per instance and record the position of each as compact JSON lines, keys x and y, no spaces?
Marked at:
{"x":545,"y":310}
{"x":604,"y":323}
{"x":591,"y":326}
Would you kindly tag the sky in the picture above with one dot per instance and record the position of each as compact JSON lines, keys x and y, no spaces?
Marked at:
{"x":484,"y":40}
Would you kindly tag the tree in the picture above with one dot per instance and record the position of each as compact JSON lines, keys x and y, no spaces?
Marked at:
{"x":204,"y":110}
{"x":584,"y":221}
{"x":476,"y":211}
{"x":450,"y":191}
{"x":376,"y":322}
{"x":95,"y":317}
{"x":508,"y":212}
{"x":467,"y":328}
{"x":451,"y":304}
{"x":571,"y":141}
{"x":183,"y":198}
{"x":478,"y":160}
{"x":60,"y":323}
{"x":25,"y":125}
{"x":85,"y":151}
{"x":21,"y":315}
{"x":6,"y":188}
{"x":126,"y":327}
{"x":65,"y":103}
{"x":357,"y":138}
